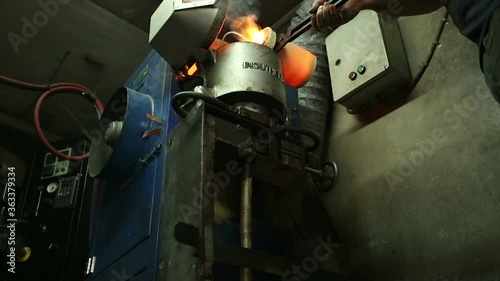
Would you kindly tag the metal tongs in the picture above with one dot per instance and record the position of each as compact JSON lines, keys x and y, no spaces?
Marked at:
{"x":301,"y":28}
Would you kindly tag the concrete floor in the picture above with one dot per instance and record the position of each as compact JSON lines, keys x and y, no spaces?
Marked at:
{"x":419,"y":193}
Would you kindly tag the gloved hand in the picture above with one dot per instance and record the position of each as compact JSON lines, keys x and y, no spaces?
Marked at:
{"x":325,"y":15}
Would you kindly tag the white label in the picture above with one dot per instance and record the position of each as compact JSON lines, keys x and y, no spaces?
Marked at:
{"x":188,"y":4}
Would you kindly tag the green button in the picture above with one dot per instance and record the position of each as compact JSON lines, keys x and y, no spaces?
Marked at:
{"x":361,"y":69}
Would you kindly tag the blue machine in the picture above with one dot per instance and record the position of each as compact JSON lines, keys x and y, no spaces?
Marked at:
{"x":126,"y":216}
{"x":124,"y":236}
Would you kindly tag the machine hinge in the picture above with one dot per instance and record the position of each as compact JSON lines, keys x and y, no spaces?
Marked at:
{"x":156,"y":151}
{"x":90,"y":265}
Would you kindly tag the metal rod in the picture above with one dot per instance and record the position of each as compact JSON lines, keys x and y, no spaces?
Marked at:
{"x":319,"y":173}
{"x":246,"y":218}
{"x":38,"y":204}
{"x":301,"y":28}
{"x":313,"y":171}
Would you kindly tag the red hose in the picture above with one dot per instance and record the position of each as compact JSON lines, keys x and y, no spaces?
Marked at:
{"x":49,"y":90}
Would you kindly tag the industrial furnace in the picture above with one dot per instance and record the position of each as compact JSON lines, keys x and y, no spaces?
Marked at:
{"x":201,"y":162}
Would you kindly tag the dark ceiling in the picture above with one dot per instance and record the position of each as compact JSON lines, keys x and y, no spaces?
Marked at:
{"x":138,"y":13}
{"x":112,"y":34}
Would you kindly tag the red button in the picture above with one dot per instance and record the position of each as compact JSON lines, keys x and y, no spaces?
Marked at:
{"x":353,"y":75}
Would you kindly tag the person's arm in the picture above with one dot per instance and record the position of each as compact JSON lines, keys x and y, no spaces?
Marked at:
{"x":327,"y":15}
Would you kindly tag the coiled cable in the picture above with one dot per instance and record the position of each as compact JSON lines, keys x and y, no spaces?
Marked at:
{"x":51,"y":89}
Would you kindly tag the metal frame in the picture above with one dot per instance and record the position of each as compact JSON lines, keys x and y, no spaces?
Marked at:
{"x":188,"y":244}
{"x":189,"y":163}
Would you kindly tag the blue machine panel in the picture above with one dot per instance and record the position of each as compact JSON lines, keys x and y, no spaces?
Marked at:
{"x":126,"y":216}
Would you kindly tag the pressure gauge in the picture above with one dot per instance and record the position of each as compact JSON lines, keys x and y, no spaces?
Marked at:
{"x":52,"y":187}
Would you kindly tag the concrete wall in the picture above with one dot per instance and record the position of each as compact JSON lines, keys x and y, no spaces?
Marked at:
{"x":419,"y":193}
{"x":72,"y":42}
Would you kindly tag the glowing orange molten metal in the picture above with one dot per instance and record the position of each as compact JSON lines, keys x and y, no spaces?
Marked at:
{"x":298,"y":64}
{"x":249,"y":29}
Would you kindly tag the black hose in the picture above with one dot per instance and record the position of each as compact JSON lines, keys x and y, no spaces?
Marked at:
{"x":196,"y":96}
{"x":224,"y":106}
{"x":430,"y":55}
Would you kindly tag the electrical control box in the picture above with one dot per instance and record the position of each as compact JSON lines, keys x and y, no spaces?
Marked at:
{"x":54,"y":208}
{"x":53,"y":166}
{"x":367,"y":61}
